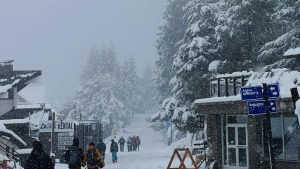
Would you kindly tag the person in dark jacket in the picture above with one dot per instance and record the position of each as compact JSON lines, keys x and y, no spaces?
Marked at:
{"x":74,"y":155}
{"x":38,"y":158}
{"x":129,"y":144}
{"x":121,"y":142}
{"x":102,"y":148}
{"x":114,"y":149}
{"x":138,"y":143}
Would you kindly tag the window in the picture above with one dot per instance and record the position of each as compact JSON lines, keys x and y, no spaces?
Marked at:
{"x":285,"y":138}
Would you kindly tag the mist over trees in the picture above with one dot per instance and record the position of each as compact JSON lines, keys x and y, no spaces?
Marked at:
{"x":109,"y":91}
{"x":232,"y":35}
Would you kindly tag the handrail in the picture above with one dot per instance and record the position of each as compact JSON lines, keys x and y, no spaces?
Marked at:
{"x":9,"y":151}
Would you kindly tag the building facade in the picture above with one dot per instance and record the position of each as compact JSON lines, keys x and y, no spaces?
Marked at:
{"x":238,"y":140}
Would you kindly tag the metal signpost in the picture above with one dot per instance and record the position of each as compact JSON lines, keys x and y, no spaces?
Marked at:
{"x":259,"y":103}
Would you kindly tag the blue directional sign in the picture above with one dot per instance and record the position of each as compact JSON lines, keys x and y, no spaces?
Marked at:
{"x":251,"y":93}
{"x":273,"y":90}
{"x":258,"y":107}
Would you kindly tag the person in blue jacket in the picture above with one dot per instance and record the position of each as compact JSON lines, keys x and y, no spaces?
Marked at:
{"x":114,"y":149}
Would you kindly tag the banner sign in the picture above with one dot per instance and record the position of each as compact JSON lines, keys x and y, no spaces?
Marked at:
{"x":60,"y":126}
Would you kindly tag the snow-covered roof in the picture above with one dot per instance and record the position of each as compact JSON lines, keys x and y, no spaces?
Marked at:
{"x":218,"y":99}
{"x":14,"y":121}
{"x":292,"y":52}
{"x":17,"y":78}
{"x":33,"y":106}
{"x":284,"y":77}
{"x":234,"y":74}
{"x":24,"y":151}
{"x":5,"y":130}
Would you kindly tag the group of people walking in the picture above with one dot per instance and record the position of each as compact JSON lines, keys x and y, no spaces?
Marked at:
{"x":133,"y":143}
{"x":75,"y":156}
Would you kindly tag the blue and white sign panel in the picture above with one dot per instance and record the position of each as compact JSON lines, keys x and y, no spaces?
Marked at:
{"x":273,"y":90}
{"x":251,"y":93}
{"x":258,"y":107}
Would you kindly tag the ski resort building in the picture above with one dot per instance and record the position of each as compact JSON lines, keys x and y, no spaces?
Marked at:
{"x":237,"y":127}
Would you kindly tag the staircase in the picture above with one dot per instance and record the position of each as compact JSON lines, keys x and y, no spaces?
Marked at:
{"x":8,"y":152}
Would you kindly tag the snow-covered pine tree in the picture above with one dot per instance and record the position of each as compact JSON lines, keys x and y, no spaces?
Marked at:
{"x":128,"y":89}
{"x":171,"y":33}
{"x":243,"y":27}
{"x":191,"y":81}
{"x":96,"y":98}
{"x":148,"y":92}
{"x":286,"y":15}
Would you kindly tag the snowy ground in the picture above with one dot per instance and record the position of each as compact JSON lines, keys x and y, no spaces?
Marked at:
{"x":153,"y":154}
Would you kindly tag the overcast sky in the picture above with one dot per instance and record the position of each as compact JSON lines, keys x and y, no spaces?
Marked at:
{"x":56,"y":36}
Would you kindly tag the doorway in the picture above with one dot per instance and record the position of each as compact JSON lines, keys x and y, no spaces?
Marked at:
{"x":236,"y":144}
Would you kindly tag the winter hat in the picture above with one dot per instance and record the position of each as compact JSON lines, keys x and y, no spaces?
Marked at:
{"x":75,"y":142}
{"x":91,"y":144}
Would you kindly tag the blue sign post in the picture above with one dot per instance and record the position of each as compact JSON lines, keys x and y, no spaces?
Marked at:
{"x":252,"y":93}
{"x":259,"y":103}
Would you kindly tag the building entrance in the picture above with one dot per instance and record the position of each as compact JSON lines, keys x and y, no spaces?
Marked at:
{"x":236,"y":146}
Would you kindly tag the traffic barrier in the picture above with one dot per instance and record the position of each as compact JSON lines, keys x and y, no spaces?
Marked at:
{"x":182,"y":160}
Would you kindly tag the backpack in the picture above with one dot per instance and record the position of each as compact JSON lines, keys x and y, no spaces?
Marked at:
{"x":92,"y":158}
{"x":74,"y":156}
{"x":114,"y":147}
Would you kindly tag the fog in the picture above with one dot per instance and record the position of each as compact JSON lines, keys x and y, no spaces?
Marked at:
{"x":57,"y":36}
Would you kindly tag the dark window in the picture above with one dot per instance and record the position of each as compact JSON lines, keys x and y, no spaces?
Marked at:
{"x":285,"y":138}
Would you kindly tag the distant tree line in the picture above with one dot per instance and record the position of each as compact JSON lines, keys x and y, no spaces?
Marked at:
{"x":110,"y":92}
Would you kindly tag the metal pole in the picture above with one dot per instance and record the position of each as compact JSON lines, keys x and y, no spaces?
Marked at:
{"x":268,"y":127}
{"x":52,"y":132}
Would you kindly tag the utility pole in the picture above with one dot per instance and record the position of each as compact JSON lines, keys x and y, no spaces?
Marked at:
{"x":268,"y":127}
{"x":52,"y":132}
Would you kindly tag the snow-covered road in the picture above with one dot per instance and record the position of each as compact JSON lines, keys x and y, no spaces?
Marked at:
{"x":153,"y":153}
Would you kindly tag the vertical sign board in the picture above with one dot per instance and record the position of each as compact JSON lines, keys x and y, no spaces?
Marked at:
{"x":273,"y":90}
{"x":251,"y":93}
{"x":64,"y":129}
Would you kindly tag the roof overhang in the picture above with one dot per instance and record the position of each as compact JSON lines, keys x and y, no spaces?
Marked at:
{"x":284,"y":105}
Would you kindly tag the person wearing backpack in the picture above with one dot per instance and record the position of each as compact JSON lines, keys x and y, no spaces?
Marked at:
{"x":93,"y":158}
{"x":121,"y":142}
{"x":114,"y":150}
{"x":74,"y":155}
{"x":102,"y":148}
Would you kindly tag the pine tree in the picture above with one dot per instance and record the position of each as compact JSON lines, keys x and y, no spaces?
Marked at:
{"x":97,"y":98}
{"x":168,"y":43}
{"x":128,"y":86}
{"x":242,"y":29}
{"x":192,"y":60}
{"x":286,"y":15}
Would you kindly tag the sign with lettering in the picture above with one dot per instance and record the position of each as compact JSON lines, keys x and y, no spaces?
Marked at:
{"x":60,"y":126}
{"x":251,"y":93}
{"x":258,"y":107}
